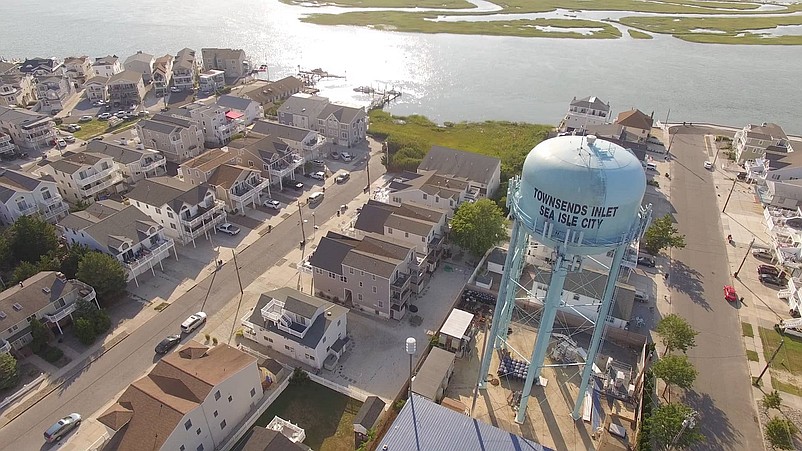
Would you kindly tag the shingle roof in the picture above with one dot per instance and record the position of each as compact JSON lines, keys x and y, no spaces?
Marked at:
{"x":12,"y":182}
{"x":107,"y":60}
{"x":343,"y":114}
{"x":429,"y":378}
{"x":375,"y":216}
{"x":423,"y":425}
{"x":265,"y":92}
{"x":31,"y":296}
{"x":369,"y":412}
{"x":185,"y":59}
{"x":139,"y":57}
{"x":226,"y":175}
{"x":126,"y":75}
{"x":635,"y":118}
{"x":111,"y":224}
{"x":209,"y":160}
{"x":331,"y":251}
{"x":32,"y":64}
{"x":71,"y":161}
{"x":261,"y":439}
{"x":21,"y":117}
{"x":238,"y":103}
{"x":280,"y":130}
{"x":118,"y":152}
{"x":461,"y":164}
{"x":97,"y":79}
{"x":159,"y":191}
{"x":592,"y":102}
{"x":304,"y":105}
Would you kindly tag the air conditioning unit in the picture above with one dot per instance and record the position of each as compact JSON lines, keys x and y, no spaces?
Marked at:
{"x":3,"y":315}
{"x":17,"y":306}
{"x":45,"y":290}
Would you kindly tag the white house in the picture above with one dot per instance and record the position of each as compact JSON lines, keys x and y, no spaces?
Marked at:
{"x":343,"y":125}
{"x":584,"y":112}
{"x":49,"y":296}
{"x":302,"y":327}
{"x":211,"y":80}
{"x":302,"y":110}
{"x":21,"y":194}
{"x":121,"y":231}
{"x":142,"y":63}
{"x":179,"y":139}
{"x":17,"y":89}
{"x":6,"y":144}
{"x":186,"y":211}
{"x":53,"y":93}
{"x":241,"y":108}
{"x":107,"y":66}
{"x":305,"y":142}
{"x":135,"y":164}
{"x":754,"y":141}
{"x":481,"y":172}
{"x":85,"y":176}
{"x":78,"y":69}
{"x":193,"y":399}
{"x":27,"y":129}
{"x":96,"y":90}
{"x":426,"y":188}
{"x":217,"y":125}
{"x":162,"y":74}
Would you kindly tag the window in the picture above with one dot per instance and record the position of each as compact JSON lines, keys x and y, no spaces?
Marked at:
{"x":374,"y":289}
{"x":215,"y":414}
{"x":425,"y":196}
{"x":182,"y":448}
{"x":390,"y":230}
{"x":360,"y":284}
{"x":406,"y":234}
{"x":318,"y":271}
{"x":217,"y":395}
{"x":158,"y":211}
{"x":374,"y":276}
{"x":250,"y":163}
{"x":253,"y":391}
{"x":287,"y":348}
{"x":188,"y":424}
{"x":381,"y":304}
{"x":269,"y":340}
{"x":170,"y":215}
{"x":343,"y":279}
{"x":359,"y":296}
{"x":197,"y":432}
{"x":223,"y":424}
{"x":172,"y":225}
{"x":200,"y":447}
{"x":576,"y":297}
{"x":230,"y":398}
{"x":350,"y":270}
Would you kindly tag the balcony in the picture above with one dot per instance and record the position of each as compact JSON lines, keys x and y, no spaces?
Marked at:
{"x":5,"y":347}
{"x":205,"y":219}
{"x":95,"y":189}
{"x":60,"y":314}
{"x":245,"y":193}
{"x":97,"y":175}
{"x":314,"y":145}
{"x":154,"y":164}
{"x":54,"y":210}
{"x":148,"y":256}
{"x":274,"y":312}
{"x":26,"y":210}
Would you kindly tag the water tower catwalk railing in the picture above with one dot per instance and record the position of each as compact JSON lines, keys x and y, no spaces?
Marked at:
{"x":525,"y":227}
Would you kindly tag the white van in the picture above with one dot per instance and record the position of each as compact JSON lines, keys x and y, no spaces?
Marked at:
{"x":315,"y":197}
{"x":651,"y":167}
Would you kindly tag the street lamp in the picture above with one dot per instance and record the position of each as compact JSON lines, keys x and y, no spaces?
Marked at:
{"x":411,"y":347}
{"x":688,"y":422}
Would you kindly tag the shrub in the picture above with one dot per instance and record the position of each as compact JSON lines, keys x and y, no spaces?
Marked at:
{"x":214,"y":341}
{"x":84,"y":330}
{"x":299,"y":377}
{"x":41,"y":336}
{"x":51,"y":354}
{"x":9,"y":373}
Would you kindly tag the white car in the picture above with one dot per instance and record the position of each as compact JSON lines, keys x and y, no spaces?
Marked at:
{"x":175,"y":89}
{"x":271,"y":203}
{"x":193,"y":322}
{"x":708,"y":165}
{"x":320,"y":175}
{"x":69,"y":139}
{"x":346,"y":156}
{"x":61,"y":143}
{"x":228,"y":228}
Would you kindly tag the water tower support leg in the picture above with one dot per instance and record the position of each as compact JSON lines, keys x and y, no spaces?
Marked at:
{"x":598,"y":328}
{"x":550,"y":305}
{"x":505,"y":297}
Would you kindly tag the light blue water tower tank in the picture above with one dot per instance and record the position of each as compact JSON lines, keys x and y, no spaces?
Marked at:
{"x":581,"y":193}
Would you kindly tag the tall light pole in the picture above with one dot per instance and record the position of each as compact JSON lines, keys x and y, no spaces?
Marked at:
{"x":688,"y":422}
{"x":751,"y":243}
{"x":411,"y":347}
{"x":301,"y":223}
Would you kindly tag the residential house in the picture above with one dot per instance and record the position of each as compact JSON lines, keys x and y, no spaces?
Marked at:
{"x":17,"y":90}
{"x":48,"y":296}
{"x":618,"y":134}
{"x":269,"y":93}
{"x":141,"y":63}
{"x":162,"y":74}
{"x":179,"y":139}
{"x":373,"y":274}
{"x":302,"y":110}
{"x":96,"y":89}
{"x":233,"y":62}
{"x":238,"y":186}
{"x":123,"y":232}
{"x":85,"y":176}
{"x":135,"y":164}
{"x":241,"y":108}
{"x":185,"y":69}
{"x":432,"y":378}
{"x":781,"y":193}
{"x":481,"y":172}
{"x":217,"y":124}
{"x":305,"y":142}
{"x":27,"y":129}
{"x":416,"y":225}
{"x":305,"y":328}
{"x":426,"y":188}
{"x":755,"y":141}
{"x":78,"y":69}
{"x":107,"y":66}
{"x":785,"y":232}
{"x":263,"y":439}
{"x":272,"y":156}
{"x":126,"y":88}
{"x":584,"y":112}
{"x":211,"y":80}
{"x":6,"y":144}
{"x":366,"y":419}
{"x":193,"y":399}
{"x":42,"y":67}
{"x":343,"y":125}
{"x":8,"y":67}
{"x":636,"y":123}
{"x":22,"y":194}
{"x":186,"y":211}
{"x":53,"y":93}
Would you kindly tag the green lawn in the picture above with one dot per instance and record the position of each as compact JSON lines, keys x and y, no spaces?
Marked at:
{"x":746,"y":330}
{"x":785,"y":387}
{"x":326,"y":415}
{"x":97,"y":127}
{"x":752,"y":356}
{"x":788,"y":360}
{"x":721,"y":30}
{"x":440,"y":4}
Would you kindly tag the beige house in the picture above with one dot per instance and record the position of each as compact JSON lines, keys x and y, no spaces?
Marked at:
{"x":636,"y":123}
{"x":17,"y":90}
{"x":268,"y":93}
{"x":302,"y":141}
{"x":135,"y":163}
{"x":48,"y":296}
{"x":482,"y":173}
{"x":193,"y":399}
{"x":126,"y":88}
{"x":107,"y":66}
{"x":27,"y":129}
{"x":273,"y":157}
{"x":85,"y":176}
{"x":177,"y":138}
{"x":754,"y":141}
{"x":162,"y":74}
{"x":343,"y":125}
{"x":141,"y":63}
{"x":238,"y":186}
{"x":53,"y":93}
{"x":427,"y":188}
{"x":233,"y":62}
{"x":185,"y":69}
{"x":78,"y":69}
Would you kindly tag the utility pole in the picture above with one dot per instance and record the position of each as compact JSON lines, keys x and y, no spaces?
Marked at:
{"x":301,"y":222}
{"x":757,"y":381}
{"x":367,"y":168}
{"x":751,"y":243}
{"x":484,"y":349}
{"x":241,"y":294}
{"x":734,"y":181}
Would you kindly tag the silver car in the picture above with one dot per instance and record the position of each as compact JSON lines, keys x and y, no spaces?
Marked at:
{"x":62,"y":427}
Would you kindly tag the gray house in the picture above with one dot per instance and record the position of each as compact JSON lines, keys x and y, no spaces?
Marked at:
{"x":302,"y":110}
{"x":482,"y":173}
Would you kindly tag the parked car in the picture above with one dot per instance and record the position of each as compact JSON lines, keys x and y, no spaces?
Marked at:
{"x":771,"y":270}
{"x":346,"y":156}
{"x":62,"y":427}
{"x":342,"y":178}
{"x":320,"y":175}
{"x":69,"y":139}
{"x":334,"y":155}
{"x":297,"y":185}
{"x":61,"y":143}
{"x":175,"y":89}
{"x":85,"y":118}
{"x":315,"y":197}
{"x":104,"y":116}
{"x":768,"y":279}
{"x":272,"y":203}
{"x":741,"y":175}
{"x":641,"y":296}
{"x":708,"y":165}
{"x":729,"y":293}
{"x":764,"y":254}
{"x":646,"y":261}
{"x":193,"y":322}
{"x":167,"y":344}
{"x":97,"y":103}
{"x":228,"y":228}
{"x":318,"y":163}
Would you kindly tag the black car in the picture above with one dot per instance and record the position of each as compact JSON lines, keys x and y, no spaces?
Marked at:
{"x":167,"y":344}
{"x":768,"y":279}
{"x":646,"y":261}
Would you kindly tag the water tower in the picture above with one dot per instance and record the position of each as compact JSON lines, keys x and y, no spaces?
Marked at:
{"x":580,"y":196}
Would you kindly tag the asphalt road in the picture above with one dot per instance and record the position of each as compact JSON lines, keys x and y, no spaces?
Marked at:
{"x":98,"y":384}
{"x":722,"y":392}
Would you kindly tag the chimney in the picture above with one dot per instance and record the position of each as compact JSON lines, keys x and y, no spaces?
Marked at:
{"x":60,"y":276}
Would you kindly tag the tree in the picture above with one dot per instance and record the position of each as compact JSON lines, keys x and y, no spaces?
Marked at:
{"x":104,"y":273}
{"x":666,"y":429}
{"x":24,"y":270}
{"x":662,"y":234}
{"x":9,"y":374}
{"x":41,"y":335}
{"x":98,"y":318}
{"x":84,"y":330}
{"x":771,"y":400}
{"x":676,"y":333}
{"x":478,"y":226}
{"x":69,"y":265}
{"x":31,"y":238}
{"x":780,"y":433}
{"x":675,"y":370}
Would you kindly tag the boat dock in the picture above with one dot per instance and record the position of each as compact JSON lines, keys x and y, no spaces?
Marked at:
{"x":311,"y":77}
{"x":382,"y":98}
